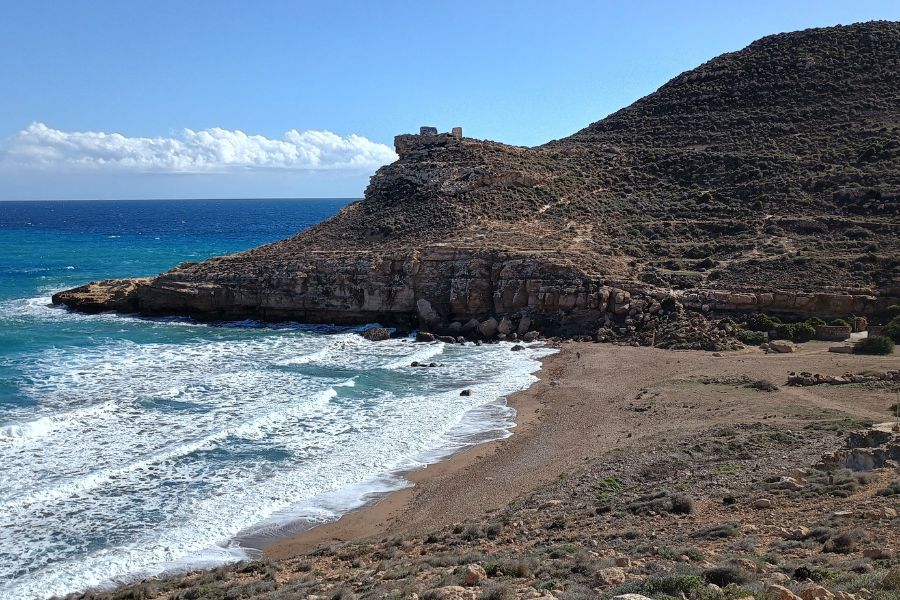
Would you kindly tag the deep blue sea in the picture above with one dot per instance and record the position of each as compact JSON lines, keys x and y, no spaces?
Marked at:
{"x":135,"y":446}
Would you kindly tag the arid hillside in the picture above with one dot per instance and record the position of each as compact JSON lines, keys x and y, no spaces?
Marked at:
{"x":772,"y":169}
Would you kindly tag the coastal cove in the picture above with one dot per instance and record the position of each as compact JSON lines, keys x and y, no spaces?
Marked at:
{"x":164,"y":443}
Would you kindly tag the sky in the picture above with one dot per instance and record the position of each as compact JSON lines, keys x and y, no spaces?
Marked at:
{"x":232,"y":99}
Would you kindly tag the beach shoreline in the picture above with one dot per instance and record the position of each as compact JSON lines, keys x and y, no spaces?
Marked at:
{"x":383,"y":513}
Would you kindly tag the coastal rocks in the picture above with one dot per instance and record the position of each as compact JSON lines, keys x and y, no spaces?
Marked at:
{"x":424,"y":336}
{"x":376,"y":334}
{"x":118,"y":295}
{"x":488,"y":328}
{"x":428,"y":317}
{"x":466,"y":393}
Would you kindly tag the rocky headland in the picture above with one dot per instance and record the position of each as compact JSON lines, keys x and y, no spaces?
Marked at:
{"x":765,"y":180}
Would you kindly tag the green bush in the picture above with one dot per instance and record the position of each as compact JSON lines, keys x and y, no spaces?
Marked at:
{"x":761,"y":322}
{"x":816,"y":321}
{"x":752,"y":338}
{"x":874,"y":345}
{"x":840,"y":323}
{"x":670,"y":304}
{"x":893,"y":311}
{"x":892,"y":330}
{"x":675,"y":585}
{"x":783,"y":331}
{"x":803,"y":332}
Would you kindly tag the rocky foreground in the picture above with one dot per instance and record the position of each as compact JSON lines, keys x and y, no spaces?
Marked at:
{"x":766,"y":180}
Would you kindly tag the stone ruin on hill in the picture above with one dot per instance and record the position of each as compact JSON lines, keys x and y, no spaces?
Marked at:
{"x":428,"y":136}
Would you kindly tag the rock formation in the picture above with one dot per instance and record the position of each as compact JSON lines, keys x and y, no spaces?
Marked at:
{"x":764,"y":180}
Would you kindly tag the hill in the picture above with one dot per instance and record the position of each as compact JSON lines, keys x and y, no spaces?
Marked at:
{"x":767,"y":179}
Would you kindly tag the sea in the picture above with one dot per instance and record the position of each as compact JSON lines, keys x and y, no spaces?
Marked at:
{"x":133,"y":447}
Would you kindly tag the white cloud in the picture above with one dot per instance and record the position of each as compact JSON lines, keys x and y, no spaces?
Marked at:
{"x":208,"y":150}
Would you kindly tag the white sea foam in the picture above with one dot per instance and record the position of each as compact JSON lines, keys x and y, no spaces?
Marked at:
{"x":172,"y":450}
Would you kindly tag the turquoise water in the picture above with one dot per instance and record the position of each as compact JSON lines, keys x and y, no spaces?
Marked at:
{"x":134,"y":446}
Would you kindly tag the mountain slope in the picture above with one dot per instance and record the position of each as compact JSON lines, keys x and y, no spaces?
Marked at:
{"x":771,"y":174}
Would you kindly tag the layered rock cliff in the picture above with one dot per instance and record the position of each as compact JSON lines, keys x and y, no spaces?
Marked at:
{"x":764,"y":180}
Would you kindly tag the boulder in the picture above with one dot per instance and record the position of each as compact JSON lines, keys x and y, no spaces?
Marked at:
{"x":505,"y":327}
{"x":763,"y":503}
{"x":816,"y":592}
{"x":470,"y":327}
{"x":782,"y":346}
{"x":424,"y":336}
{"x":488,"y":328}
{"x":376,"y":334}
{"x":447,"y":339}
{"x":779,"y":592}
{"x":466,"y":393}
{"x":531,"y":336}
{"x":428,"y":317}
{"x":452,"y":592}
{"x":475,"y":574}
{"x":611,"y":576}
{"x":524,"y":326}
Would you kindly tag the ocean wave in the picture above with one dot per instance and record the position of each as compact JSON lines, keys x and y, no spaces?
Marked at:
{"x":303,"y":444}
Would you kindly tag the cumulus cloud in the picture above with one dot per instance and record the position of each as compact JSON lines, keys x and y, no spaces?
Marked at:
{"x":204,"y":151}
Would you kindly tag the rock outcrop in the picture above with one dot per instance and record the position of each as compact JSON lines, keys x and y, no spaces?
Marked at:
{"x":764,"y":180}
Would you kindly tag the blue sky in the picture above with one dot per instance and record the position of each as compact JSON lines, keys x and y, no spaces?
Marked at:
{"x":302,"y":99}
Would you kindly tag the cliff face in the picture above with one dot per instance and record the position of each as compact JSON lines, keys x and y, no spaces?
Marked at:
{"x":765,"y":179}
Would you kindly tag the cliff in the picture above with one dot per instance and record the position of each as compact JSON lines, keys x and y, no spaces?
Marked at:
{"x":766,"y":179}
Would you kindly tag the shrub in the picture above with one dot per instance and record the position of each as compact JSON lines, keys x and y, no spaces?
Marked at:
{"x":874,"y":345}
{"x":893,"y":311}
{"x":725,"y":530}
{"x":803,"y":332}
{"x":763,"y":385}
{"x":845,"y":542}
{"x":891,"y":581}
{"x":840,"y":323}
{"x":816,"y":321}
{"x":675,"y":585}
{"x":761,"y":322}
{"x":783,"y":331}
{"x":752,"y":338}
{"x":498,"y":591}
{"x":722,"y":576}
{"x":892,"y":329}
{"x":670,"y":304}
{"x":682,"y":504}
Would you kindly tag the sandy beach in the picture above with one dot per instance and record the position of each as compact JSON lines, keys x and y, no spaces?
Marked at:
{"x":589,"y":402}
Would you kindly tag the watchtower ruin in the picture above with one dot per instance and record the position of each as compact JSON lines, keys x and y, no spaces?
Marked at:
{"x":428,"y":136}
